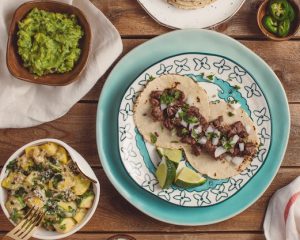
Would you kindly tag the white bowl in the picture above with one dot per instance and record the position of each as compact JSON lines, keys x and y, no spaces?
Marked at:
{"x":42,"y":233}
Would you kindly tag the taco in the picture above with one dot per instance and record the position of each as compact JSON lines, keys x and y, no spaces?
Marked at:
{"x":218,"y":139}
{"x":162,"y":95}
{"x":227,"y":145}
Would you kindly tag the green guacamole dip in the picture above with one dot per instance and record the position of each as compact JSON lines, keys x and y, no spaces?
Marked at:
{"x":49,"y":42}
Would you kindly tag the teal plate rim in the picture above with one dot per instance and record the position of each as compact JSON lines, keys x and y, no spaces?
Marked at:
{"x":143,"y":56}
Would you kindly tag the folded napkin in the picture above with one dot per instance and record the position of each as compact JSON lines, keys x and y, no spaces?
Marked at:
{"x":25,"y":104}
{"x":282,"y":221}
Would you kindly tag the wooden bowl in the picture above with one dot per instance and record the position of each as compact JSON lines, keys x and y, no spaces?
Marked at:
{"x":14,"y":61}
{"x":262,"y":11}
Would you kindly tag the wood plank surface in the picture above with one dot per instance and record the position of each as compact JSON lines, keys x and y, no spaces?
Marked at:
{"x":122,"y":12}
{"x":174,"y":236}
{"x":115,"y":214}
{"x":279,"y":55}
{"x":78,"y":128}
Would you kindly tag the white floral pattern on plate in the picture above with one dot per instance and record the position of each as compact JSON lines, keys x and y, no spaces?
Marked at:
{"x":223,"y":79}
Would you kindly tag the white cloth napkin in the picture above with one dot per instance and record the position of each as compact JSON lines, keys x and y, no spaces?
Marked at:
{"x":25,"y":104}
{"x":282,"y":221}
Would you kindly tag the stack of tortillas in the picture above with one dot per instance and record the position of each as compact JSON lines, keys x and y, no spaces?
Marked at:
{"x":190,"y":4}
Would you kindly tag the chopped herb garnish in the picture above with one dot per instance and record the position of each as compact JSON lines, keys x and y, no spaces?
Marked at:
{"x":237,"y":87}
{"x":215,"y":101}
{"x":151,"y":78}
{"x":230,"y":114}
{"x":260,"y":144}
{"x":194,"y":134}
{"x":153,"y":138}
{"x":12,"y":165}
{"x":191,"y":119}
{"x":210,"y":77}
{"x":15,"y":215}
{"x":20,"y":192}
{"x":211,"y":135}
{"x":56,"y":179}
{"x":232,"y":101}
{"x":62,"y":227}
{"x":184,"y":131}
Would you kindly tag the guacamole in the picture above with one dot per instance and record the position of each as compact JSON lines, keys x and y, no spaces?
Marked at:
{"x":48,"y":42}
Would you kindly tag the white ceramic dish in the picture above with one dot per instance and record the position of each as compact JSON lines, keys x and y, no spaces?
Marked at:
{"x":83,"y":165}
{"x":207,"y":17}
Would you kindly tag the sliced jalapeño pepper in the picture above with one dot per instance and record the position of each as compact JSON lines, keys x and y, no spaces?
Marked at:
{"x":291,"y":13}
{"x":279,"y":9}
{"x":270,"y":24}
{"x":284,"y":28}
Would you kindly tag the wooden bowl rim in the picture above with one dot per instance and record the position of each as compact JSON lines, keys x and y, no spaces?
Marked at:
{"x":11,"y":33}
{"x":272,"y":36}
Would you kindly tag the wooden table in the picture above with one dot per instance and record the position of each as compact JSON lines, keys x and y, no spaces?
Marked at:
{"x":78,"y":128}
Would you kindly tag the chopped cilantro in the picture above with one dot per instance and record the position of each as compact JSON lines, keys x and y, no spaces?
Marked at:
{"x":12,"y":165}
{"x":191,"y":119}
{"x":230,"y":114}
{"x":153,"y":138}
{"x":151,"y":78}
{"x":15,"y":215}
{"x":20,"y":192}
{"x":62,"y":227}
{"x":210,"y":77}
{"x":184,"y":131}
{"x":194,"y":134}
{"x":56,"y":179}
{"x":237,"y":87}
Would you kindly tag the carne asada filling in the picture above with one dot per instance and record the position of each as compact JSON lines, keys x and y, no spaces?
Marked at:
{"x":215,"y":138}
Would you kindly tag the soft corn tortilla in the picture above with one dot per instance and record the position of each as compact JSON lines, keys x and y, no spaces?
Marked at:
{"x":190,"y":4}
{"x":220,"y":169}
{"x":196,"y":95}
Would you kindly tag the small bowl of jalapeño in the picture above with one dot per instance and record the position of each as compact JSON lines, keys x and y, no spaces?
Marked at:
{"x":279,"y":19}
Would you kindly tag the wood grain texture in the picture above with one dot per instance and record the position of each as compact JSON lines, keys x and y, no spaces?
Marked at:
{"x":176,"y":236}
{"x":78,"y":128}
{"x":279,"y":55}
{"x":115,"y":214}
{"x":242,"y":25}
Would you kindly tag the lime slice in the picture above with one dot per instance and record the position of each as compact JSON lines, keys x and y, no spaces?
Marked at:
{"x":188,"y":178}
{"x":174,"y":155}
{"x":165,"y":173}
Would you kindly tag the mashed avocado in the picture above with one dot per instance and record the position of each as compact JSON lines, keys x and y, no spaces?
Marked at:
{"x":49,"y":42}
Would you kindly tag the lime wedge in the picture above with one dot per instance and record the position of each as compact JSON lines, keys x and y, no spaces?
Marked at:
{"x":188,"y":178}
{"x":174,"y":155}
{"x":165,"y":173}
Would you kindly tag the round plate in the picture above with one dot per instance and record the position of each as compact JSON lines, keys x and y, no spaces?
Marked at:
{"x":249,"y":72}
{"x":209,"y":16}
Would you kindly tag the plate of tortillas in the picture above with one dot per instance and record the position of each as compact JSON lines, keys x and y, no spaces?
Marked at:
{"x":182,"y":14}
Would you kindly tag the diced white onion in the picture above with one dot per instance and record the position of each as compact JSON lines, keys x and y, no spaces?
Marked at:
{"x":234,"y":139}
{"x":237,"y":160}
{"x":198,"y":129}
{"x":215,"y":141}
{"x":163,"y":106}
{"x":202,"y":140}
{"x":183,"y":123}
{"x":192,"y":125}
{"x":248,"y":129}
{"x":210,"y":129}
{"x":217,"y":132}
{"x":235,"y":105}
{"x":228,"y":158}
{"x":219,"y":151}
{"x":189,"y":100}
{"x":242,"y":147}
